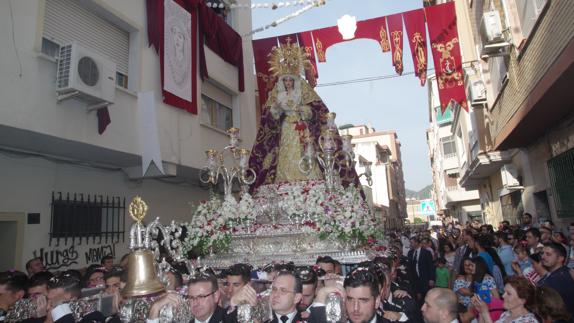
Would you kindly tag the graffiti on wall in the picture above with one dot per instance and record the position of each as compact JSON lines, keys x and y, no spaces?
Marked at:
{"x":55,"y":259}
{"x":95,"y":255}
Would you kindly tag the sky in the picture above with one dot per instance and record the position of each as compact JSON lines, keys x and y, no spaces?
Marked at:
{"x":397,"y":103}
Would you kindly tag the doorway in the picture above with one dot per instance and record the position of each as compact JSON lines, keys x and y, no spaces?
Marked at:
{"x":11,"y":234}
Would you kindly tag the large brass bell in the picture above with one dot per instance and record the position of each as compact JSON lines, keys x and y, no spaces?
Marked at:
{"x":142,"y":276}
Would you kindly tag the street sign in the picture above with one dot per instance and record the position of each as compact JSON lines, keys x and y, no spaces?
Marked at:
{"x":427,"y":207}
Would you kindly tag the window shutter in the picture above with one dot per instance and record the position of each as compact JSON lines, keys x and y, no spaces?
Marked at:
{"x":67,"y":20}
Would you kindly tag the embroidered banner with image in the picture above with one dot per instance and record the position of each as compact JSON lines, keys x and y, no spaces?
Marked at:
{"x":443,"y":32}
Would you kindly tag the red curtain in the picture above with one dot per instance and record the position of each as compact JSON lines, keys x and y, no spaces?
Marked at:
{"x":324,"y":38}
{"x":375,"y":29}
{"x":155,"y":38}
{"x":445,"y":48}
{"x":221,"y":39}
{"x":265,"y":81}
{"x":396,"y":30}
{"x":417,"y":36}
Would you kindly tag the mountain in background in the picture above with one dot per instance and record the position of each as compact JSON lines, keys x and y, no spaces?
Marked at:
{"x":423,"y":194}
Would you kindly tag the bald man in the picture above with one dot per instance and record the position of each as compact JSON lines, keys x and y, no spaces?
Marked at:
{"x":440,"y":306}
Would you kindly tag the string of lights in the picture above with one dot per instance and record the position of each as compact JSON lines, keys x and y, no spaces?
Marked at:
{"x":312,"y":4}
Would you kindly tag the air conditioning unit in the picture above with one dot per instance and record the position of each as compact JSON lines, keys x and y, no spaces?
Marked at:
{"x":85,"y":75}
{"x":494,"y":42}
{"x":509,"y":176}
{"x":475,"y":89}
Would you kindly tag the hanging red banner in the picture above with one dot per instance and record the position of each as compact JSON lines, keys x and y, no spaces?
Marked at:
{"x":395,"y":23}
{"x":265,"y":81}
{"x":306,"y":42}
{"x":445,"y":49}
{"x":375,"y":29}
{"x":324,"y":38}
{"x":417,"y":35}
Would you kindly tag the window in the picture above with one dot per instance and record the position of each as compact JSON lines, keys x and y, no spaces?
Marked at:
{"x":80,"y":216}
{"x":216,"y":114}
{"x":498,"y":74}
{"x":69,"y":20}
{"x":561,"y":173}
{"x":528,"y":12}
{"x":50,"y":48}
{"x":448,"y":147}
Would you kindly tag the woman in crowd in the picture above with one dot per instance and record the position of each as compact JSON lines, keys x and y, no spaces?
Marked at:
{"x":462,"y":285}
{"x":519,"y":302}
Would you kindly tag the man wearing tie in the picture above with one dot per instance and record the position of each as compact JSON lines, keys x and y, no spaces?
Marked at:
{"x":286,"y":293}
{"x":422,"y":269}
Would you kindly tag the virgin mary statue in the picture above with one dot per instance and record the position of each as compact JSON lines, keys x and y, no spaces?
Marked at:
{"x":293,"y":118}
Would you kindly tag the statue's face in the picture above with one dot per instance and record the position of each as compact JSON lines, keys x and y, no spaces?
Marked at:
{"x":288,"y":82}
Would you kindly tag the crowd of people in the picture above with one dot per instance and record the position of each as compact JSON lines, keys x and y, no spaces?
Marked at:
{"x":449,"y":274}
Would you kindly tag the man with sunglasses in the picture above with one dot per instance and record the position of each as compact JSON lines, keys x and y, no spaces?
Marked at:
{"x":203,"y":297}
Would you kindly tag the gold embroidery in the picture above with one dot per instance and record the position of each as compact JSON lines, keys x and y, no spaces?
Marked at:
{"x":449,"y":75}
{"x":385,"y":45}
{"x":420,"y":54}
{"x":320,"y":52}
{"x":398,"y":55}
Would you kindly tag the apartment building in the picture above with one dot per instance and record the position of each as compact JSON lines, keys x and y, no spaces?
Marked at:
{"x":382,"y":150}
{"x":453,"y":202}
{"x":65,"y":188}
{"x":517,"y":137}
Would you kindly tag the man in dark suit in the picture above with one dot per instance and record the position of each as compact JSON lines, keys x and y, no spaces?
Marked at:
{"x":203,"y":297}
{"x":286,"y":293}
{"x":422,"y":269}
{"x":360,"y":295}
{"x":396,"y":309}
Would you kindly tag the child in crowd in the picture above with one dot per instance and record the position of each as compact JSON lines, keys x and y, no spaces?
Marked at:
{"x":442,"y":274}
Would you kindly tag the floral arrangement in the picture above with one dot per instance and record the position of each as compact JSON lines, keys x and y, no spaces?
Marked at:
{"x":214,"y":221}
{"x":339,"y":215}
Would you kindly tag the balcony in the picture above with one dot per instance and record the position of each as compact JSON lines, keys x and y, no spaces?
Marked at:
{"x":455,"y":194}
{"x":483,"y":166}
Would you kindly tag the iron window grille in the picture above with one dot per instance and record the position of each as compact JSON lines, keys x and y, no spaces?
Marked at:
{"x":561,"y":173}
{"x":78,"y":217}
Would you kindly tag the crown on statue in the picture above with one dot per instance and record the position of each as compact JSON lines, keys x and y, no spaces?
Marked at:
{"x":289,"y":59}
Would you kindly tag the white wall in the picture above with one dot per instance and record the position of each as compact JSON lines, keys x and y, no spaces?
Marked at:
{"x":28,"y":184}
{"x":29,"y":101}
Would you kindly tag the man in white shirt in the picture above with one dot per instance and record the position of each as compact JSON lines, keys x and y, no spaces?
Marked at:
{"x":440,"y":306}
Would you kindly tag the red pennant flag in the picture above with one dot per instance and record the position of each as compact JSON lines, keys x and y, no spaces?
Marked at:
{"x":324,"y":38}
{"x":265,"y":81}
{"x":306,"y":42}
{"x":396,"y":29}
{"x":376,"y":29}
{"x":417,"y":35}
{"x":445,"y":48}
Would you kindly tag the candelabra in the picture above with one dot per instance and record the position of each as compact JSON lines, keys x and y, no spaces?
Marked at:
{"x":328,"y":156}
{"x":350,"y":159}
{"x":216,"y":165}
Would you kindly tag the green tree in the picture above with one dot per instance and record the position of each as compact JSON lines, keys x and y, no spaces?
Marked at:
{"x":419,"y":221}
